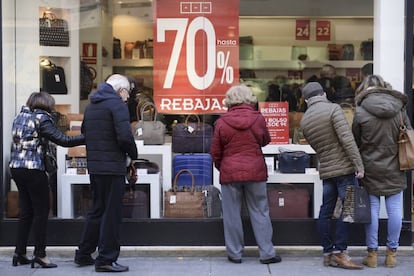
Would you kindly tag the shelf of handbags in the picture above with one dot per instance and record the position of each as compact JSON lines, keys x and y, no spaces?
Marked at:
{"x":308,"y":176}
{"x":72,"y":171}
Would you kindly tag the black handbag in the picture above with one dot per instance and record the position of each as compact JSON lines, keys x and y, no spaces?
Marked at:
{"x":357,"y":206}
{"x":291,"y":161}
{"x":52,"y":78}
{"x":192,"y":137}
{"x":53,"y":31}
{"x":151,"y":167}
{"x":50,"y":161}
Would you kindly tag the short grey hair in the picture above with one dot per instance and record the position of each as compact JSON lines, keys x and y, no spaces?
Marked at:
{"x":118,"y":82}
{"x":239,"y":94}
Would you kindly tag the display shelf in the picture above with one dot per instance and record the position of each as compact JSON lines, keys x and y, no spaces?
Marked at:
{"x":65,"y":56}
{"x":65,"y":196}
{"x":300,"y":65}
{"x":145,"y":62}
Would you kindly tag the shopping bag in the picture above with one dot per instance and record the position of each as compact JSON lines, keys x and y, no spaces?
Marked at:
{"x":357,"y":207}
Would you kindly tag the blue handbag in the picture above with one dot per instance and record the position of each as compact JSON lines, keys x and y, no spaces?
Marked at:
{"x":293,"y":161}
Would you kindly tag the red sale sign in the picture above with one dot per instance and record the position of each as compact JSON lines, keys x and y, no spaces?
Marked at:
{"x":196,"y":54}
{"x":302,"y":29}
{"x":323,"y":30}
{"x":276,"y":115}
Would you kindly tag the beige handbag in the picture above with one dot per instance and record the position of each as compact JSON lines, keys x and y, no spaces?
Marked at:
{"x":405,"y":146}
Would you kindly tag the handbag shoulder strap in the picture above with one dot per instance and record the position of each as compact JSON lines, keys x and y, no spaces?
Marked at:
{"x":402,"y":125}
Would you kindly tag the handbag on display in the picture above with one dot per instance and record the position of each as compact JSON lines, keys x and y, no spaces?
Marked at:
{"x":405,"y":146}
{"x":288,"y":201}
{"x":53,"y":31}
{"x":182,"y":203}
{"x":12,"y":204}
{"x":145,"y":164}
{"x":357,"y":207}
{"x":293,"y":161}
{"x":87,"y":76}
{"x":52,"y":78}
{"x":192,"y":137}
{"x":151,"y":132}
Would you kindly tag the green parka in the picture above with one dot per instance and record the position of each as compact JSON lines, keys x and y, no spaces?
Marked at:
{"x":375,"y":127}
{"x":327,"y":131}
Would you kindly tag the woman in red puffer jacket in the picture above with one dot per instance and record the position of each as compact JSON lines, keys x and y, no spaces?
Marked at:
{"x":239,"y":136}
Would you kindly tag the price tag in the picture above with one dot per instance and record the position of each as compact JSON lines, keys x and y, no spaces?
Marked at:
{"x":173,"y":199}
{"x":323,"y":30}
{"x":190,"y":129}
{"x":302,"y":29}
{"x":196,"y":55}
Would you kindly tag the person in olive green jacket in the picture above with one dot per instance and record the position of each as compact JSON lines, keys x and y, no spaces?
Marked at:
{"x":379,"y":110}
{"x":328,"y":132}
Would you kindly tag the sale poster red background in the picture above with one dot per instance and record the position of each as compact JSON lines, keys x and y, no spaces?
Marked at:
{"x":196,"y":55}
{"x":276,"y":115}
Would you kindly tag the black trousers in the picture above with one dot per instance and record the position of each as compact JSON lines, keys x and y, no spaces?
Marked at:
{"x":102,"y":223}
{"x":33,"y":209}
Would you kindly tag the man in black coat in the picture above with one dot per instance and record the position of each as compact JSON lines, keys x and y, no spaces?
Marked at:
{"x":109,"y":144}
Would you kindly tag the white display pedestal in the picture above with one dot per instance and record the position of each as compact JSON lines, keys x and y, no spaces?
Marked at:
{"x":65,"y":197}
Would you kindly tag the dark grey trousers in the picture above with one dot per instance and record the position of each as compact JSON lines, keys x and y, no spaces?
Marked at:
{"x":255,"y":196}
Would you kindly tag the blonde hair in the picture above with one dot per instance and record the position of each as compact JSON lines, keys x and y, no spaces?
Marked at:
{"x":239,"y":94}
{"x":372,"y":81}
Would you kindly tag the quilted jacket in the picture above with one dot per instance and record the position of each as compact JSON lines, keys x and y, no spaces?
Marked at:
{"x":28,"y":127}
{"x":236,"y":149}
{"x":108,"y":133}
{"x":327,"y":131}
{"x":375,"y":127}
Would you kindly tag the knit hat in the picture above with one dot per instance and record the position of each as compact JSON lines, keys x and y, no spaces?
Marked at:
{"x":312,"y":89}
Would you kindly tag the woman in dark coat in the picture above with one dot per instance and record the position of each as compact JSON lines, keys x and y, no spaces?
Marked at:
{"x":376,"y":126}
{"x":236,"y":149}
{"x":32,"y":128}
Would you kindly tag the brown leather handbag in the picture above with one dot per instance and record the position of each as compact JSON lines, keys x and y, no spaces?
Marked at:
{"x":405,"y":146}
{"x":183,"y":203}
{"x":288,"y":201}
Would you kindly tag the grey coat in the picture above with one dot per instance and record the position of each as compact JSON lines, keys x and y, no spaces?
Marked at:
{"x":327,"y":131}
{"x":375,"y":127}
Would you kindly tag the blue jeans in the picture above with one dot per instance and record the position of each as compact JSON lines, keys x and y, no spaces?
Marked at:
{"x":332,"y":189}
{"x":393,"y":205}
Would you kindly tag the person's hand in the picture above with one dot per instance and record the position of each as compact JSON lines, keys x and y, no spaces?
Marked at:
{"x":359,"y":175}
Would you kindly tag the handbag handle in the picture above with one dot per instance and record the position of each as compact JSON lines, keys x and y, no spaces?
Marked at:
{"x":198,"y":120}
{"x":146,"y":106}
{"x":180,"y":172}
{"x":282,"y":149}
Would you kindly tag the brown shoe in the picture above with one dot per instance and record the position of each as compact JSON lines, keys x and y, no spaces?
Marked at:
{"x":327,"y":259}
{"x":344,"y":261}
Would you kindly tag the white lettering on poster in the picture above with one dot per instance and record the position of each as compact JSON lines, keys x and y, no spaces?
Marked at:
{"x":191,"y":104}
